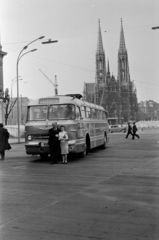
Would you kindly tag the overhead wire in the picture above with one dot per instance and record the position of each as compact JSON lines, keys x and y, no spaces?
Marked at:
{"x":87,"y":34}
{"x":68,"y":65}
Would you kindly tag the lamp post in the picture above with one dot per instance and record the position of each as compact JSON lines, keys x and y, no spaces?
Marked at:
{"x":18,"y":59}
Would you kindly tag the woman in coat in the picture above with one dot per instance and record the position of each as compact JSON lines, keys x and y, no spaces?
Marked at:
{"x":4,"y":145}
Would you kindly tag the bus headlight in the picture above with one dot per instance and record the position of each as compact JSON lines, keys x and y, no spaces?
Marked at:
{"x":30,"y":137}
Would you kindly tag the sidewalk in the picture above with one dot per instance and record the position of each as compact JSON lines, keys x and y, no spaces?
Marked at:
{"x":15,"y":140}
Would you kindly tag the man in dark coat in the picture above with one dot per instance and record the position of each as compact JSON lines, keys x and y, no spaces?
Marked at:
{"x":129,"y":130}
{"x":4,"y":145}
{"x":134,"y":131}
{"x":54,"y":143}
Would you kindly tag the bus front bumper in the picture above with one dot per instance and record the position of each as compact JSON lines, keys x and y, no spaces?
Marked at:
{"x":35,"y":148}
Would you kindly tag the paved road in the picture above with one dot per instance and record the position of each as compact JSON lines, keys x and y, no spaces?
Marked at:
{"x":112,"y":194}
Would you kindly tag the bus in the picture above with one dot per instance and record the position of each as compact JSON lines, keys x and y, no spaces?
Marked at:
{"x":85,"y":123}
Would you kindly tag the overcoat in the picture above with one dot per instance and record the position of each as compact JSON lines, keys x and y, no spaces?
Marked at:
{"x":134,"y":128}
{"x":53,"y":139}
{"x":4,"y":136}
{"x":54,"y":142}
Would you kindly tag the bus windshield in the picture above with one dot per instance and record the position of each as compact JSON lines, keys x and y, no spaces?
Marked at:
{"x":37,"y":113}
{"x":62,"y":111}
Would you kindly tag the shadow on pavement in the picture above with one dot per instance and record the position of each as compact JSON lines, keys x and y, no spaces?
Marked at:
{"x":72,"y":158}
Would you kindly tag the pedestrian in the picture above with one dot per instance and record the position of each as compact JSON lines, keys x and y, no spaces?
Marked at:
{"x":4,"y":145}
{"x":129,"y":130}
{"x":63,"y":137}
{"x":134,"y":131}
{"x":54,"y":143}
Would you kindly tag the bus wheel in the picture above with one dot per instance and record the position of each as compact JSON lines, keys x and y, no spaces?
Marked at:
{"x":43,"y":156}
{"x":85,"y":151}
{"x":104,"y":145}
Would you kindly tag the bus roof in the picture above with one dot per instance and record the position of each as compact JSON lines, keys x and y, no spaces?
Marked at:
{"x":63,"y":99}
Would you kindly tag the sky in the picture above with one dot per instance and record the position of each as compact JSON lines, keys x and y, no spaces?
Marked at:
{"x":74,"y":23}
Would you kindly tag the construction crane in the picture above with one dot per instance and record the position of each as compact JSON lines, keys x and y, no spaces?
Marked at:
{"x":54,"y":84}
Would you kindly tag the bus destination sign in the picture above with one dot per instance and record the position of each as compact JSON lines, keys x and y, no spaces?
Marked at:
{"x":48,"y":101}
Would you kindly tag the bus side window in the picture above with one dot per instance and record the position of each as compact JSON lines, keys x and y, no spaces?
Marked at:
{"x":90,"y":114}
{"x":103,"y":115}
{"x":97,"y":116}
{"x":78,"y":115}
{"x":100,"y":114}
{"x":87,"y":112}
{"x":93,"y":113}
{"x":83,"y":112}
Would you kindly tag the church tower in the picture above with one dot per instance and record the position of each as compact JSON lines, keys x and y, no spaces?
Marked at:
{"x":124,"y":78}
{"x":123,"y":64}
{"x":2,"y":54}
{"x":116,"y":95}
{"x":100,"y":68}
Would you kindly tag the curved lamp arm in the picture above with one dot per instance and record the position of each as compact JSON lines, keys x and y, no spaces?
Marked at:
{"x":33,"y":50}
{"x":34,"y":41}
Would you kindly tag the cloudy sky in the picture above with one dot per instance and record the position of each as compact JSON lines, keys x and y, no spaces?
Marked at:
{"x":74,"y":23}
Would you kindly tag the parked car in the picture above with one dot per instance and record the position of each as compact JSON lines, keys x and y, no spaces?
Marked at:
{"x":117,"y":128}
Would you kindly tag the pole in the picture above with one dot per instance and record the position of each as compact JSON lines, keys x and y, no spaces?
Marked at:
{"x":21,"y":110}
{"x":18,"y":122}
{"x":56,"y":86}
{"x":11,"y":103}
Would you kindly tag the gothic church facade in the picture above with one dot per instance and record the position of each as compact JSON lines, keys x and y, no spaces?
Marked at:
{"x":117,"y":96}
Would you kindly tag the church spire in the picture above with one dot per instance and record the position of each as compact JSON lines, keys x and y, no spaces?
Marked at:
{"x":108,"y":69}
{"x":123,"y":64}
{"x":122,"y":46}
{"x":100,"y":67}
{"x":99,"y":42}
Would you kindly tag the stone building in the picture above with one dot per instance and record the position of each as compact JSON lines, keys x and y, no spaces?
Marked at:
{"x":148,"y":110}
{"x":117,"y":96}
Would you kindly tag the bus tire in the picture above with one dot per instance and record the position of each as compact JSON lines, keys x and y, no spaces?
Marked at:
{"x":84,"y":153}
{"x":86,"y":147}
{"x":43,"y":156}
{"x":104,"y":145}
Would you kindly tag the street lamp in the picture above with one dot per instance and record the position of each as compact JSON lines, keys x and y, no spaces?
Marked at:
{"x":18,"y":59}
{"x":50,"y":41}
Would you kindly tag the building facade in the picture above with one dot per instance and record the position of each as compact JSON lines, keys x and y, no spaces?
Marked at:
{"x":148,"y":110}
{"x":117,"y":96}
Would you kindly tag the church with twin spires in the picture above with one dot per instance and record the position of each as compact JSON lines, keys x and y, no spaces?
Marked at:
{"x":117,"y":96}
